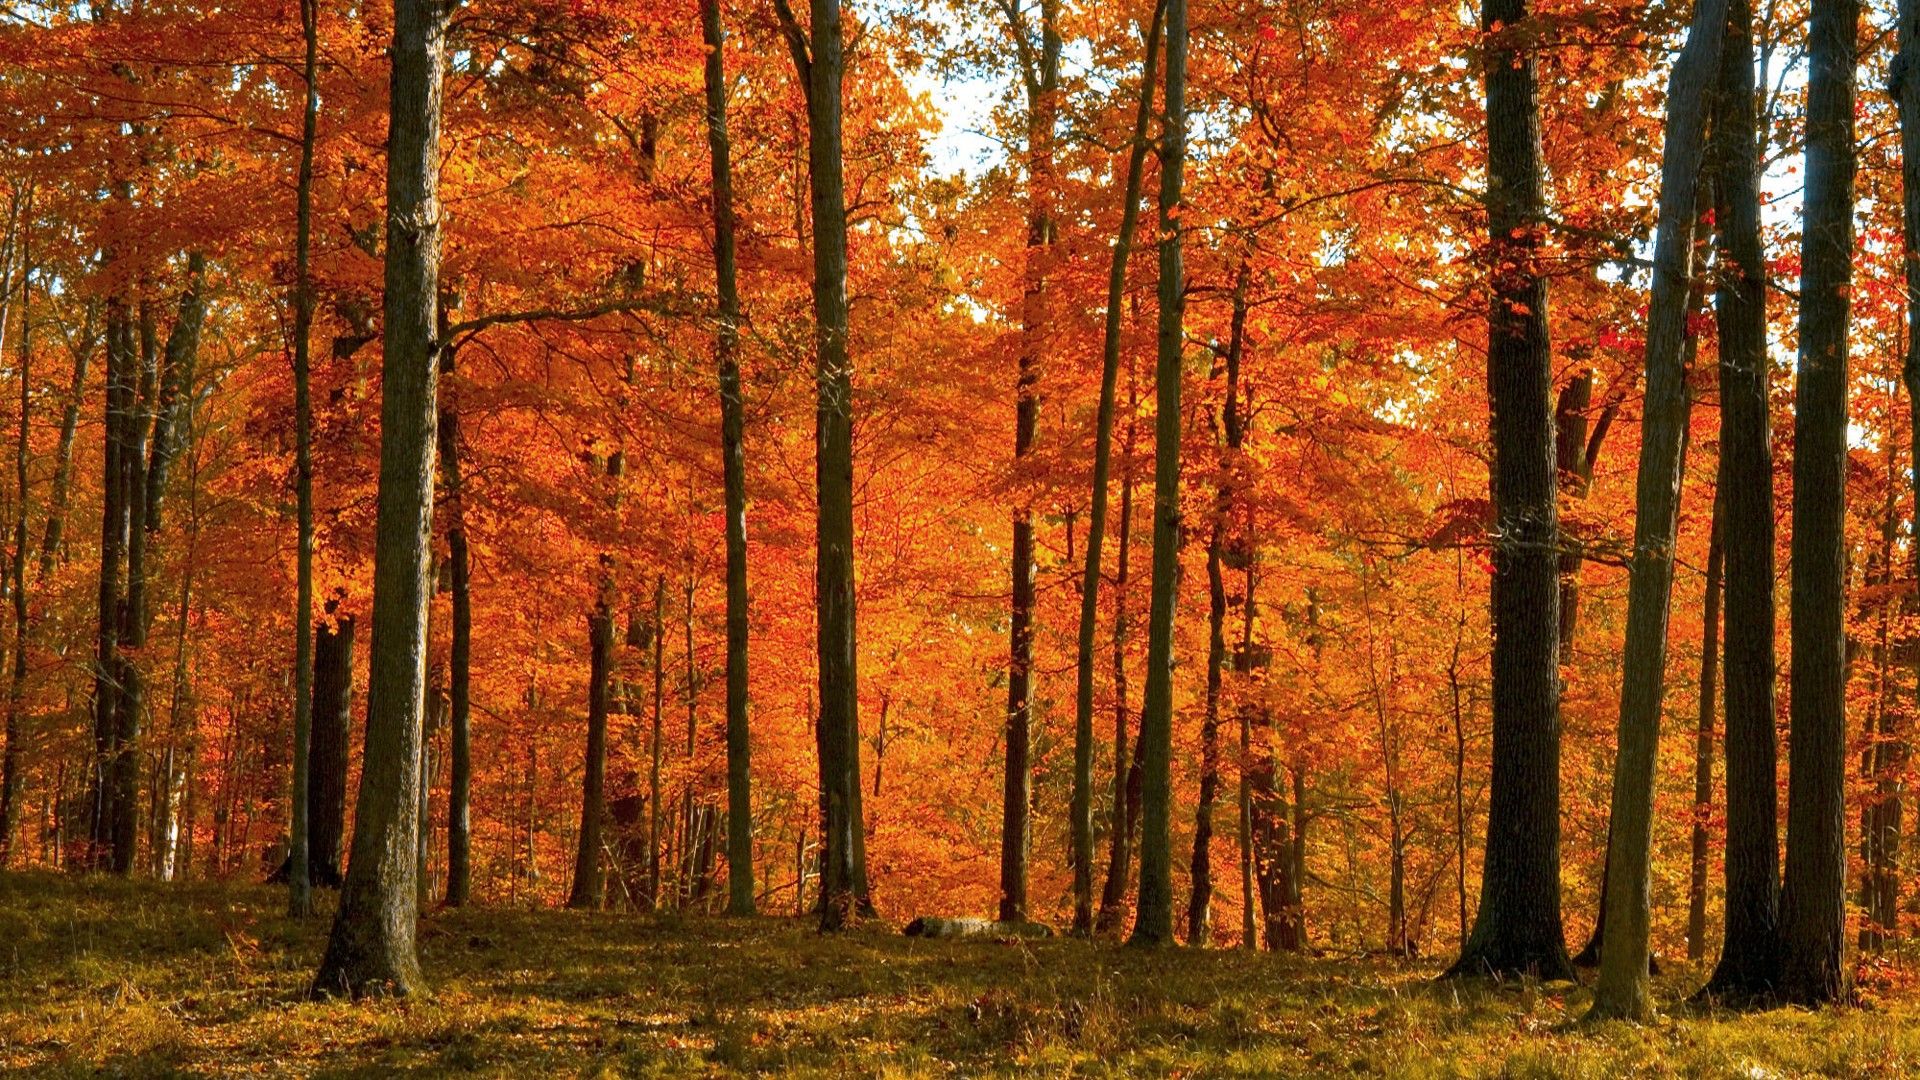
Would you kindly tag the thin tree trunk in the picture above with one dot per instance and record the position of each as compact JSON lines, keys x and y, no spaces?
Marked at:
{"x":1113,"y":894}
{"x":460,"y":650}
{"x":653,"y":775}
{"x":589,"y":878}
{"x":1624,"y":988}
{"x":1813,"y":899}
{"x":371,"y":947}
{"x":732,"y":444}
{"x":57,"y":498}
{"x":1153,"y":925}
{"x":1518,"y":926}
{"x":299,"y":882}
{"x":328,"y":758}
{"x":1748,"y":969}
{"x":10,"y":771}
{"x":1703,"y":742}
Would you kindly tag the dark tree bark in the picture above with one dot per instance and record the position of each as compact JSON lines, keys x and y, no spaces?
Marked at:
{"x":371,"y":947}
{"x":328,"y":758}
{"x":733,"y":452}
{"x":460,"y":645}
{"x":57,"y":498}
{"x":121,"y":364}
{"x":1082,"y":809}
{"x":1748,"y":969}
{"x":1517,"y":928}
{"x":10,"y":765}
{"x":1624,"y":988}
{"x":589,"y":877}
{"x":1813,"y":898}
{"x":1199,"y":901}
{"x":817,"y":55}
{"x":1153,"y":925}
{"x":1126,"y":761}
{"x":1698,"y":849}
{"x":299,"y":859}
{"x":1906,"y":94}
{"x":1041,"y":75}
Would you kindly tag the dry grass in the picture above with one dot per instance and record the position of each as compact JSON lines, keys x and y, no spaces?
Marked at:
{"x":137,"y":979}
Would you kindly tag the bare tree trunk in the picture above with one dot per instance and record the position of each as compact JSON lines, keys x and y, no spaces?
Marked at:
{"x":299,"y":882}
{"x":1813,"y":898}
{"x":10,"y":765}
{"x":328,"y":758}
{"x":1113,"y":894}
{"x":589,"y":878}
{"x":460,"y":651}
{"x":1518,"y":926}
{"x":371,"y":947}
{"x":653,"y":775}
{"x":732,"y":445}
{"x":1703,"y":743}
{"x":1153,"y":925}
{"x":1624,"y":988}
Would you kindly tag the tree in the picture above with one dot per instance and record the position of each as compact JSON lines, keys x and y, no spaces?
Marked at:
{"x":1813,"y":898}
{"x":732,"y":448}
{"x":1154,"y":923}
{"x":1517,"y":928}
{"x":371,"y":947}
{"x":299,"y":884}
{"x":1623,"y":989}
{"x":589,"y":875}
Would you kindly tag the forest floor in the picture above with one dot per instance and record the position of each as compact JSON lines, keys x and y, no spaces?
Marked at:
{"x":117,"y":978}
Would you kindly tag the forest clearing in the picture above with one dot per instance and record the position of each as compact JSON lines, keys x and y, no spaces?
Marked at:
{"x":137,"y":979}
{"x":1214,"y":537}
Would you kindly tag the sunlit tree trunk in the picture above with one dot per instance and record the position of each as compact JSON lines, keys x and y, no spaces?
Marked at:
{"x":1153,"y":924}
{"x":1748,"y":968}
{"x":1813,"y":898}
{"x":371,"y":947}
{"x":1518,"y":927}
{"x":732,"y":445}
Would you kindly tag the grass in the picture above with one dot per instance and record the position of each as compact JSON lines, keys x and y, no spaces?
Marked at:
{"x":116,"y":978}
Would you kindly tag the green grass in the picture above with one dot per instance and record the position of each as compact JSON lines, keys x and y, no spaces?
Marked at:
{"x":115,"y":978}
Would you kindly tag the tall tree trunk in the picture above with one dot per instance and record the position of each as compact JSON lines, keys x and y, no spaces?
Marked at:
{"x":654,"y":793}
{"x":1703,"y":738}
{"x":1518,"y":926}
{"x":1199,"y":901}
{"x":1880,"y":814}
{"x":1624,"y":988}
{"x":299,"y":882}
{"x":371,"y":947}
{"x":589,"y":878}
{"x":460,"y":646}
{"x":1042,"y":78}
{"x":1082,"y":809}
{"x":1153,"y":925}
{"x":121,"y":363}
{"x":10,"y":765}
{"x":818,"y":56}
{"x":330,"y":752}
{"x":1906,"y":94}
{"x":1113,"y":894}
{"x":733,"y":452}
{"x":1748,"y":968}
{"x":1813,"y":899}
{"x":51,"y":540}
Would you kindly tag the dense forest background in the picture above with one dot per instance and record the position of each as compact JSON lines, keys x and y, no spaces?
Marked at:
{"x":633,"y":561}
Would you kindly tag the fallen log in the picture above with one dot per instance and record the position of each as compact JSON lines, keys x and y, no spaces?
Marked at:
{"x":928,"y":926}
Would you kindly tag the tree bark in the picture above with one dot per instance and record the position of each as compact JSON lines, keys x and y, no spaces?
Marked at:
{"x":1153,"y":925}
{"x":733,"y":452}
{"x":299,"y":860}
{"x":1518,"y":928}
{"x":1126,"y":802}
{"x":328,"y":759}
{"x":1624,"y":988}
{"x":460,"y":645}
{"x":10,"y":765}
{"x":1082,"y":809}
{"x":371,"y":947}
{"x":57,"y":498}
{"x":1748,"y":969}
{"x":1703,"y":739}
{"x":589,"y":878}
{"x":1813,"y":899}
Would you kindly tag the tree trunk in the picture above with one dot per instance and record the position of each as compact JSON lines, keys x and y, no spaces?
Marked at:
{"x":1042,"y":78}
{"x":1813,"y":899}
{"x":328,"y":759}
{"x":1199,"y":930}
{"x":1153,"y":925}
{"x":1703,"y":740}
{"x":653,"y":774}
{"x":113,"y":533}
{"x":1906,"y":94}
{"x":460,"y":647}
{"x":1518,"y":926}
{"x":1082,"y":811}
{"x":1748,"y":969}
{"x":732,"y":445}
{"x":52,"y":539}
{"x":589,"y":879}
{"x":1624,"y":988}
{"x":10,"y":770}
{"x":1113,"y":894}
{"x":371,"y":947}
{"x":299,"y":859}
